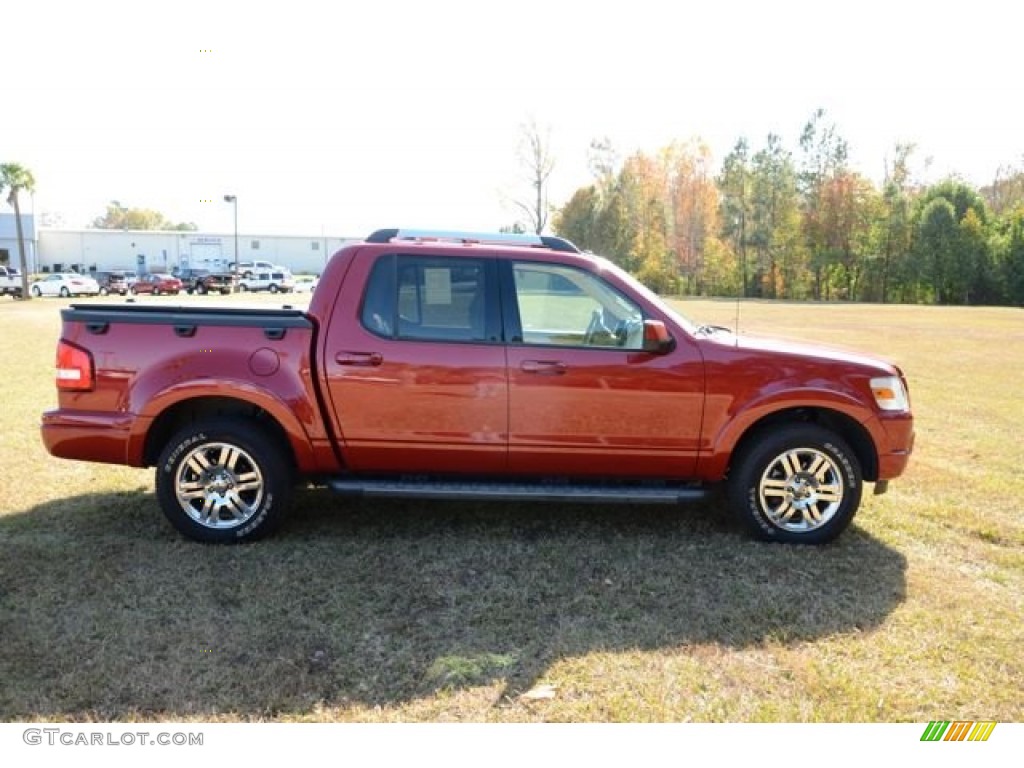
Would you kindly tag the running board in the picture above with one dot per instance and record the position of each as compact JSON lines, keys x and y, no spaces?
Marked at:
{"x":504,"y":491}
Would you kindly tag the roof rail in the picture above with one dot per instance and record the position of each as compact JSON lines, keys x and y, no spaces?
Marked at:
{"x":500,"y":238}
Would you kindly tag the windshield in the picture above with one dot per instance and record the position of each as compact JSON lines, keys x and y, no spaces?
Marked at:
{"x":648,"y":294}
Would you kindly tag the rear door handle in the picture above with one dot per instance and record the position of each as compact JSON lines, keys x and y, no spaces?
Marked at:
{"x":544,"y":367}
{"x":359,"y":358}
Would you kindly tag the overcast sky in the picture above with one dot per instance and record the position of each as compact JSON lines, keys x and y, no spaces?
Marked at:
{"x":342,"y":118}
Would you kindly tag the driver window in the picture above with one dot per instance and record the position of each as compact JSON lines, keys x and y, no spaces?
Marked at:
{"x":565,"y":306}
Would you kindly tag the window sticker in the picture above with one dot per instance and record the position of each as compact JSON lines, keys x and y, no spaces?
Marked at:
{"x":438,"y":285}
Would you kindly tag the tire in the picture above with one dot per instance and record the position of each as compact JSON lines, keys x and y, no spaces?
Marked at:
{"x":156,"y":291}
{"x":132,"y":291}
{"x":797,"y":483}
{"x":64,"y":292}
{"x":36,"y":292}
{"x":223,"y":482}
{"x":243,"y":289}
{"x":273,"y":288}
{"x":103,"y":290}
{"x":201,"y":289}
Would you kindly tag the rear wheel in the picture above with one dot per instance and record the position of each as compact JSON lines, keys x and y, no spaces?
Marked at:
{"x":64,"y":291}
{"x":223,"y":481}
{"x":799,"y":483}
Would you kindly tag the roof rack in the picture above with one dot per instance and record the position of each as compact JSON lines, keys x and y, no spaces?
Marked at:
{"x":500,"y":238}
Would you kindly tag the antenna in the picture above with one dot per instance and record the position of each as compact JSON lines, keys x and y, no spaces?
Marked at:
{"x":736,"y":324}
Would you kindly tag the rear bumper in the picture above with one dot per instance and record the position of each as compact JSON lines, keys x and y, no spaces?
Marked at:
{"x":92,"y":436}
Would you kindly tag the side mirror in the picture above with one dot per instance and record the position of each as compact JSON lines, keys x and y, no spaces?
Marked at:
{"x":657,"y":340}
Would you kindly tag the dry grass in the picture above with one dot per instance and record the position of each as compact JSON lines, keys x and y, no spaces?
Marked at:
{"x":444,"y":611}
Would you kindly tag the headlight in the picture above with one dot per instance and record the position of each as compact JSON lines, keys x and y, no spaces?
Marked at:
{"x":890,"y":394}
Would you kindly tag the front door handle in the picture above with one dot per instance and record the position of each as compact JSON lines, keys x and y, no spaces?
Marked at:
{"x":359,"y":358}
{"x":544,"y":367}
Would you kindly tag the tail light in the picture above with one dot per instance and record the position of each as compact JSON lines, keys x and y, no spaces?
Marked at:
{"x":74,"y":368}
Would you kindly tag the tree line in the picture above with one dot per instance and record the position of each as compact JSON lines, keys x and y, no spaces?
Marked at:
{"x":773,"y":223}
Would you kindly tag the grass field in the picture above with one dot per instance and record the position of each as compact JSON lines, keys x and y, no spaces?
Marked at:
{"x":399,"y":611}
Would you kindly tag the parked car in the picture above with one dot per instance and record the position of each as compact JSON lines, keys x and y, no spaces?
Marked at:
{"x":10,"y":282}
{"x":111,"y":282}
{"x":306,"y":283}
{"x":65,"y":284}
{"x":275,"y":282}
{"x":156,"y":283}
{"x":203,"y":281}
{"x":448,"y":366}
{"x":247,"y":268}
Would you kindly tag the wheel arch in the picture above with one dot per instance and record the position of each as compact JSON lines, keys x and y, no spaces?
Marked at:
{"x":849,"y":429}
{"x":205,"y":408}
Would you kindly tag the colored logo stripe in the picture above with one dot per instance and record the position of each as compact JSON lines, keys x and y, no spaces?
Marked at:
{"x":960,"y":730}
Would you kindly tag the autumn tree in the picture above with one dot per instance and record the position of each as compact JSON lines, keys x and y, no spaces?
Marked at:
{"x":692,"y":209}
{"x":774,"y":221}
{"x":1006,"y":192}
{"x":121,"y":217}
{"x":735,"y":206}
{"x":894,"y":225}
{"x":824,"y":157}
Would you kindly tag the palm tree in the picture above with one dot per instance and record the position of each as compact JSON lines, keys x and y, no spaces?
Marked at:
{"x":17,"y":178}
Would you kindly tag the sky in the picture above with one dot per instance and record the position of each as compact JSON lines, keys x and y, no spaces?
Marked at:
{"x":341,"y":118}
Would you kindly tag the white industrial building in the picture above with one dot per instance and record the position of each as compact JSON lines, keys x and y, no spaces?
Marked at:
{"x":9,"y":240}
{"x":88,"y":250}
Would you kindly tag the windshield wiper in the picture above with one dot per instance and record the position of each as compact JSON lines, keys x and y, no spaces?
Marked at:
{"x":709,"y":330}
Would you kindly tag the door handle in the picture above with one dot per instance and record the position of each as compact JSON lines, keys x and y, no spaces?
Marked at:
{"x":544,"y":367}
{"x":359,"y":358}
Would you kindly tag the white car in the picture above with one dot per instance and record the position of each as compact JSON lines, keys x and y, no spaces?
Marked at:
{"x":306,"y":283}
{"x":65,"y":284}
{"x":247,"y":268}
{"x":274,"y":282}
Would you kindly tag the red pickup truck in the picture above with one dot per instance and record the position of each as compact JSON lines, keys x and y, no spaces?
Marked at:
{"x":450,"y":365}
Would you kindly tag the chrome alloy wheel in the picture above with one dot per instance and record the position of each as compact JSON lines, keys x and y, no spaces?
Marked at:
{"x":219,"y":485}
{"x":801,"y":490}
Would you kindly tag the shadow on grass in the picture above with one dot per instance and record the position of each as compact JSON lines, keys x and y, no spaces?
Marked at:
{"x":106,"y":613}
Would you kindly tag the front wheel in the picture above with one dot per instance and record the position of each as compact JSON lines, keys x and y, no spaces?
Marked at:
{"x":798,"y":483}
{"x":64,"y":292}
{"x":36,"y":291}
{"x":223,"y":482}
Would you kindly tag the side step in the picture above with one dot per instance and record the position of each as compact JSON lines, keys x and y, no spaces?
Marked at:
{"x":509,"y":491}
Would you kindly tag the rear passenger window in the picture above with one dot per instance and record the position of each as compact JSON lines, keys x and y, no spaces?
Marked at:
{"x":429,"y":298}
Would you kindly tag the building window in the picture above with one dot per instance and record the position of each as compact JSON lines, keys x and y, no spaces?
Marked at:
{"x":316,"y":245}
{"x":255,"y":245}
